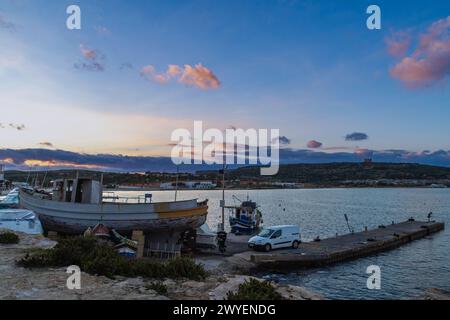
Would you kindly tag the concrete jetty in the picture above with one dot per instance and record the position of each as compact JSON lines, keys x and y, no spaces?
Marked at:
{"x":340,"y":248}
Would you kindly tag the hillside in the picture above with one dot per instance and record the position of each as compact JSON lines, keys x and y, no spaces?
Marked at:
{"x":320,"y":175}
{"x":336,"y":173}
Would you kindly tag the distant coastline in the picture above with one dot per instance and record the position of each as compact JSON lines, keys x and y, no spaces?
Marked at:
{"x":290,"y":176}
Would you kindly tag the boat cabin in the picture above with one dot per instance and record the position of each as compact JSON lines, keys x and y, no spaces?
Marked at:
{"x":78,"y":191}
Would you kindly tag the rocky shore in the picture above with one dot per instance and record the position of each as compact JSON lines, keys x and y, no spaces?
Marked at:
{"x":49,"y":283}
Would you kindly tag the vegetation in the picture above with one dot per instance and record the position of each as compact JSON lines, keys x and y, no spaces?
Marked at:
{"x":9,"y":238}
{"x":100,"y":258}
{"x":335,"y":173}
{"x":255,"y":290}
{"x":159,"y":287}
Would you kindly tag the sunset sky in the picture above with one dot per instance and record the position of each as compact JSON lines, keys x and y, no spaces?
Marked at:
{"x":137,"y":70}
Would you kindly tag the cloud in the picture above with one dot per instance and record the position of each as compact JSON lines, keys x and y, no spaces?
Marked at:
{"x":430,"y":62}
{"x":46,"y":144}
{"x":313,"y":144}
{"x":356,"y":136}
{"x":18,"y":127}
{"x":22,"y":159}
{"x":93,"y":60}
{"x":125,"y":66}
{"x":283,"y":140}
{"x":7,"y":25}
{"x":398,"y":43}
{"x":197,"y":76}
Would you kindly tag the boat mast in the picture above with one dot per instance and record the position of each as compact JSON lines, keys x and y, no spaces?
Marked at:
{"x":223,"y":199}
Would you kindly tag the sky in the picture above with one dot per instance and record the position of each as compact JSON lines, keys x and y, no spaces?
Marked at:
{"x":138,"y":70}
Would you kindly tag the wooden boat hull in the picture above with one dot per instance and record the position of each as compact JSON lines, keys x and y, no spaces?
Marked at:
{"x":75,"y":218}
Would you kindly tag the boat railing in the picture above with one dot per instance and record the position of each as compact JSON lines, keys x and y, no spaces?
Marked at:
{"x":121,"y":199}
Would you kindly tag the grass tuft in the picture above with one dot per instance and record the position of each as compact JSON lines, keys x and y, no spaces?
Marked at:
{"x":255,"y":290}
{"x":8,"y":238}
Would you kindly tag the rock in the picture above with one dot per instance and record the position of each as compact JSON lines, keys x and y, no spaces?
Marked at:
{"x":436,"y":294}
{"x":290,"y":292}
{"x":232,"y":284}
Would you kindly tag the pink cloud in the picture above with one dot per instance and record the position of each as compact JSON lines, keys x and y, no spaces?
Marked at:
{"x":93,"y":60}
{"x":398,"y":43}
{"x":313,"y":144}
{"x":430,"y":62}
{"x":87,"y":53}
{"x":198,"y":76}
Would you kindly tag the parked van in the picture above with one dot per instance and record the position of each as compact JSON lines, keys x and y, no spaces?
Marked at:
{"x":276,"y":237}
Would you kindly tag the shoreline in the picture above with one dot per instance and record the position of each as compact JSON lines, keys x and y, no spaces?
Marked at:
{"x":247,"y":189}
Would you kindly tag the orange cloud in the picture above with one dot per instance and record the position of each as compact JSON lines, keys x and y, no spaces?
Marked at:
{"x":7,"y":161}
{"x":197,"y":76}
{"x":54,"y":163}
{"x":430,"y":62}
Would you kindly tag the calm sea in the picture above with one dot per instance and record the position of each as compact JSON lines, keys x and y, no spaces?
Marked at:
{"x":405,"y":272}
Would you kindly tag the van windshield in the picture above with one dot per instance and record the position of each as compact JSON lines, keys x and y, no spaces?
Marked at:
{"x":266,"y":233}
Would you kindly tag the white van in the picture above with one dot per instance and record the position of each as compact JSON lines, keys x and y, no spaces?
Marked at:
{"x":276,"y":237}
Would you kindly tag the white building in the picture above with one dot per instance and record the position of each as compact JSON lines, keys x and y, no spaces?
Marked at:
{"x":188,"y":185}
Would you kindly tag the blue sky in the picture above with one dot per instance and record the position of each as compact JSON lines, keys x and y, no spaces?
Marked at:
{"x":310,"y":68}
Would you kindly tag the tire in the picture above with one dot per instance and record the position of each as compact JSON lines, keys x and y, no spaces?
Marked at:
{"x":295,"y":244}
{"x":267,"y":247}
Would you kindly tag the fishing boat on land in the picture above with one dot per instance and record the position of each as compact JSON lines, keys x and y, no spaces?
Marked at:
{"x":75,"y":205}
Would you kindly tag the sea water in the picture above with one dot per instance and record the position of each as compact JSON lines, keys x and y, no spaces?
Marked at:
{"x":405,"y":272}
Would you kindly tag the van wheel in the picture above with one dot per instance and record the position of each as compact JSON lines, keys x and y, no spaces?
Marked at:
{"x":267,"y":247}
{"x":295,"y":244}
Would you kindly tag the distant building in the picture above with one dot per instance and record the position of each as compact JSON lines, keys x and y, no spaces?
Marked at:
{"x":188,"y":185}
{"x":286,"y":185}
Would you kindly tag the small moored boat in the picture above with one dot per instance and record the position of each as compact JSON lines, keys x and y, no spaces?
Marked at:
{"x":245,"y":218}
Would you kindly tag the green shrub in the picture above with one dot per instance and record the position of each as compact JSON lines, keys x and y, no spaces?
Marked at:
{"x":255,"y":290}
{"x":159,"y":287}
{"x":98,"y":257}
{"x":9,"y":238}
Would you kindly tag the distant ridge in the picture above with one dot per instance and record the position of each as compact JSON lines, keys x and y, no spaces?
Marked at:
{"x":320,"y":175}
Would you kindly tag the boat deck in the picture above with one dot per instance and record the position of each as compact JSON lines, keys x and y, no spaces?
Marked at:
{"x":340,"y":248}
